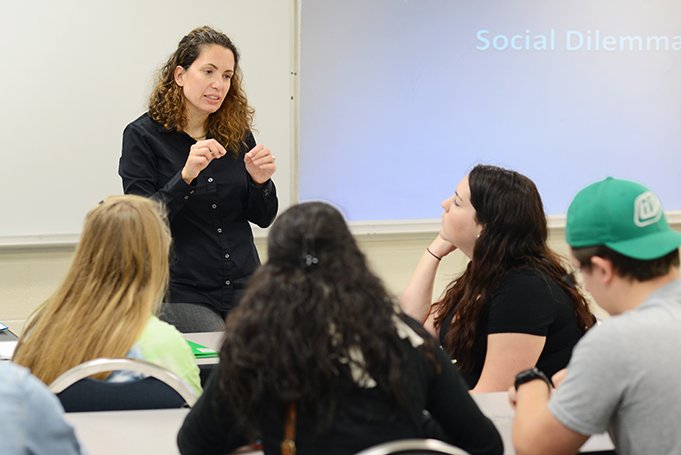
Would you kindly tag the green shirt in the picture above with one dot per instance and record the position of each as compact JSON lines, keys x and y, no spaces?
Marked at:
{"x":162,"y":344}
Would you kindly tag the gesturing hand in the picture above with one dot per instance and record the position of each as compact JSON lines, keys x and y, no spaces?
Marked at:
{"x":200,"y":156}
{"x":260,"y":164}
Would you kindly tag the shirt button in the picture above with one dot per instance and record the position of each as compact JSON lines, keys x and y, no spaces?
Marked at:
{"x":210,"y":179}
{"x":219,"y":230}
{"x":228,"y":282}
{"x":214,"y":206}
{"x":191,"y":192}
{"x":186,"y":197}
{"x":226,"y":255}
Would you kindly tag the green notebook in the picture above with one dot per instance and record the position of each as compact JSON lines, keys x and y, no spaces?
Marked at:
{"x":202,"y":352}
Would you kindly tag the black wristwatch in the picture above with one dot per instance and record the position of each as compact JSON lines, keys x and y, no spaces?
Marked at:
{"x":530,"y":375}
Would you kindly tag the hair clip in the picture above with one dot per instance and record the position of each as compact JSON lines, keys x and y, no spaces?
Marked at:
{"x":309,"y":257}
{"x":309,"y":260}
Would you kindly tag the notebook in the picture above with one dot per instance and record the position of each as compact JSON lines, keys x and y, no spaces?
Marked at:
{"x":202,"y":352}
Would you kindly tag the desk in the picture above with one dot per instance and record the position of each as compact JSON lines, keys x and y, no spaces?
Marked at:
{"x":8,"y":341}
{"x":7,"y":335}
{"x":496,"y":406}
{"x":128,"y":432}
{"x":132,"y":432}
{"x":155,"y":431}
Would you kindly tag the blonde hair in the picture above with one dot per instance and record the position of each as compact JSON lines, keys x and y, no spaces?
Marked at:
{"x":116,"y":281}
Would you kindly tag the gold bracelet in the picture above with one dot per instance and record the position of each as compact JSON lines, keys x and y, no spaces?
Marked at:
{"x":433,"y":254}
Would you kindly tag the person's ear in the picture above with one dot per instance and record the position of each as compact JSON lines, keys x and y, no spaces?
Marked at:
{"x":178,"y":75}
{"x":603,"y":269}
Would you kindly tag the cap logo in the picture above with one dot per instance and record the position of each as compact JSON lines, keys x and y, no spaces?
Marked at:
{"x":647,"y":209}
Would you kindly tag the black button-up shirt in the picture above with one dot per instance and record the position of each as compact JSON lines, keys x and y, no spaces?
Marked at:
{"x":213,"y":253}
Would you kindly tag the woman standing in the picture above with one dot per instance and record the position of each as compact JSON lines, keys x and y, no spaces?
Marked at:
{"x":516,"y":305}
{"x":194,"y":151}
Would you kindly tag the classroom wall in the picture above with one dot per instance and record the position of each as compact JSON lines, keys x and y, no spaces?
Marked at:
{"x":76,"y":72}
{"x":28,"y":276}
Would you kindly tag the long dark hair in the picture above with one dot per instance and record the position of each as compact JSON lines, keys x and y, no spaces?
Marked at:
{"x":313,"y":302}
{"x":229,"y":124}
{"x":514,"y":235}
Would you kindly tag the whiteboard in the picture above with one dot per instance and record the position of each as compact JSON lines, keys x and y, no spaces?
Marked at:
{"x":76,"y":72}
{"x":400,"y":98}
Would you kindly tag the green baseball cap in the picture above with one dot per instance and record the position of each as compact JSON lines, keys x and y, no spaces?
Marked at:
{"x":623,"y":215}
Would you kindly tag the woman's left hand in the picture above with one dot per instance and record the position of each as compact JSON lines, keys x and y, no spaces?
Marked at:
{"x":260,"y":164}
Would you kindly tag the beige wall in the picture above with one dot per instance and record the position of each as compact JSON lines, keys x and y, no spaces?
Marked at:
{"x":29,"y":275}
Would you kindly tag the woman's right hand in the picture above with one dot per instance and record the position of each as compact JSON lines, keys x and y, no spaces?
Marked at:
{"x":441,"y":247}
{"x":200,"y":156}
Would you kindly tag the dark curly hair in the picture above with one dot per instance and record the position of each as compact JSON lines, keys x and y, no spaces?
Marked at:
{"x":313,"y":302}
{"x":515,"y":235}
{"x":230,"y":124}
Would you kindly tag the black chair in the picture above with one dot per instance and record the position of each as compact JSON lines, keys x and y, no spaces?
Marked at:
{"x":413,"y":447}
{"x":160,"y":389}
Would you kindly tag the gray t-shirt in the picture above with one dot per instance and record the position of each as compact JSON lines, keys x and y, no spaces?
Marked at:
{"x":625,"y":377}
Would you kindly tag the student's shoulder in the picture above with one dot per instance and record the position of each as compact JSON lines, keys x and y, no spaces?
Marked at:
{"x":20,"y":386}
{"x":614,"y":330}
{"x":525,"y":275}
{"x":14,"y":378}
{"x":159,"y":332}
{"x":524,"y":282}
{"x":155,"y":325}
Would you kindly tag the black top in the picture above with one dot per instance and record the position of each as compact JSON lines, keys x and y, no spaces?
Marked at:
{"x":526,"y":302}
{"x":213,"y":253}
{"x":365,"y":416}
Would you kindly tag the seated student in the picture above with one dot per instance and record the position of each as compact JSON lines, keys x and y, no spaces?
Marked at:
{"x":624,"y":374}
{"x":105,"y":306}
{"x":32,"y":417}
{"x":515,"y":306}
{"x":317,"y":346}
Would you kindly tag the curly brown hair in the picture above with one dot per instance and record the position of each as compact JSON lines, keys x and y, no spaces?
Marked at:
{"x":316,"y":279}
{"x":515,"y":236}
{"x":231,"y":122}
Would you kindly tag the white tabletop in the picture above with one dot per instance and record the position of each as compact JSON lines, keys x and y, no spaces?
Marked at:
{"x":132,"y":432}
{"x":496,"y":406}
{"x":128,"y":432}
{"x":7,"y":349}
{"x":8,"y":341}
{"x":155,"y":431}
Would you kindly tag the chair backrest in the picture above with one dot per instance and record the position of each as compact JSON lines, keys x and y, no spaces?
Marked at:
{"x":160,"y":388}
{"x":413,"y":447}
